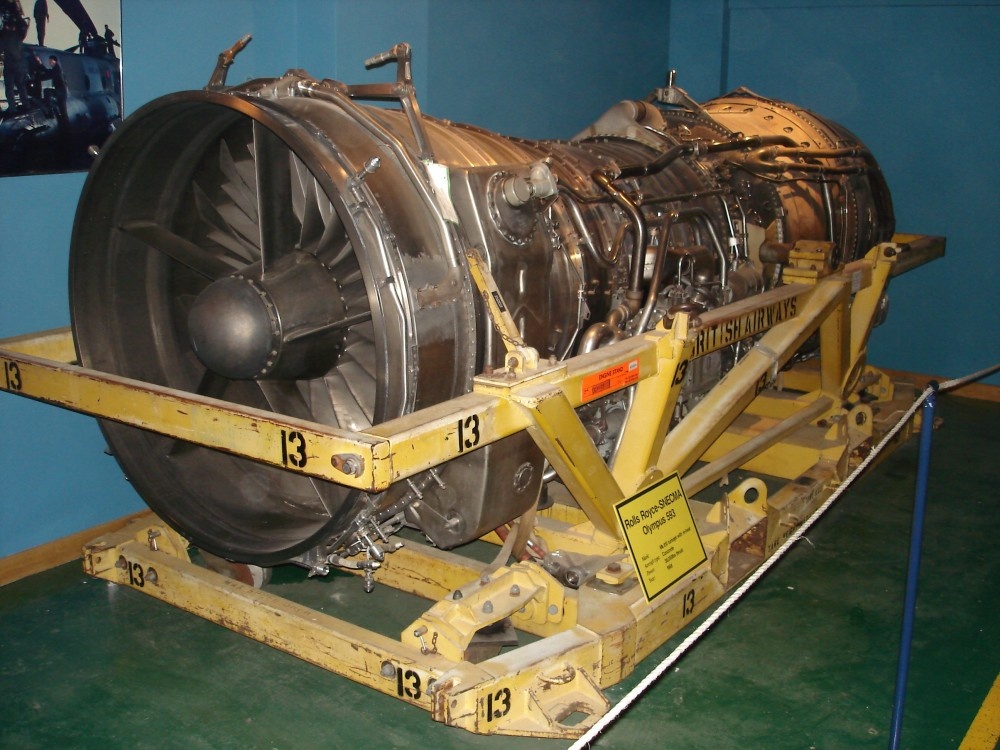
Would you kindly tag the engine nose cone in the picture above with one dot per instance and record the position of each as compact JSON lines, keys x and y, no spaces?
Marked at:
{"x":234,"y":328}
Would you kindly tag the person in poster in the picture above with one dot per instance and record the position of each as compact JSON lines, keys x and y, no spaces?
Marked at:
{"x":13,"y":27}
{"x":41,"y":14}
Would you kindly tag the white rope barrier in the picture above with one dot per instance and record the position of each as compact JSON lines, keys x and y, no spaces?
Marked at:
{"x":958,"y":382}
{"x":648,"y":681}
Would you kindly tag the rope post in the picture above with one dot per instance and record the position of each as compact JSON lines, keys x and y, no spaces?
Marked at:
{"x":913,"y":572}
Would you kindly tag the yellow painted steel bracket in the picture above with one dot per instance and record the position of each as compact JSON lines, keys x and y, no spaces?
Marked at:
{"x":806,"y":424}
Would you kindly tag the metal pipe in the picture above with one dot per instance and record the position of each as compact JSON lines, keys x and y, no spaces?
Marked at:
{"x":580,"y":225}
{"x":605,"y":180}
{"x":650,"y":200}
{"x":734,"y":240}
{"x":611,"y":327}
{"x":763,"y":160}
{"x":581,"y":315}
{"x":654,"y":282}
{"x":682,"y":214}
{"x":828,"y":210}
{"x":697,"y":147}
{"x":218,"y":78}
{"x":698,"y":480}
{"x":661,"y":162}
{"x":691,"y":437}
{"x":699,"y":212}
{"x":638,"y":222}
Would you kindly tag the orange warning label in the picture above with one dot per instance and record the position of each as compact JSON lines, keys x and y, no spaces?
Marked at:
{"x":611,"y":379}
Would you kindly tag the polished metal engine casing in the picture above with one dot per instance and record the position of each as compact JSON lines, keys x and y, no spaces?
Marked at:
{"x":285,"y":245}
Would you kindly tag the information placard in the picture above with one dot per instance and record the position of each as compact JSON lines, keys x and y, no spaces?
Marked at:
{"x":610,"y":379}
{"x":661,"y":535}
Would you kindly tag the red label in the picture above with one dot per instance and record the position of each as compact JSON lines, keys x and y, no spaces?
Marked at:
{"x":604,"y":382}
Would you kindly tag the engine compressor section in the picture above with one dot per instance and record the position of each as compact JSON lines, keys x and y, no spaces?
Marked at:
{"x":285,"y":244}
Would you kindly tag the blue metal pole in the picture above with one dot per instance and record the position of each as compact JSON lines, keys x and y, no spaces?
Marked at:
{"x":913,"y":573}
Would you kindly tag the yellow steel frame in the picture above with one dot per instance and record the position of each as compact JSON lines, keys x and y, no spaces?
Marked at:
{"x":801,"y":423}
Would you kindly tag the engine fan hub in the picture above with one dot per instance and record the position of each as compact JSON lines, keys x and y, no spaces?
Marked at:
{"x":287,"y":324}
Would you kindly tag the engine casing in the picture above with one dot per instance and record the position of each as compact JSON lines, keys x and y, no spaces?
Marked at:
{"x":284,"y":245}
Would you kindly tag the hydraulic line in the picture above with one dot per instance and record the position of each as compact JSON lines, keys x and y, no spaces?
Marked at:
{"x":764,"y":160}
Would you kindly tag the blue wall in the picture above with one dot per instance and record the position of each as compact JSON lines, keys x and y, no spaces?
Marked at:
{"x":916,"y":80}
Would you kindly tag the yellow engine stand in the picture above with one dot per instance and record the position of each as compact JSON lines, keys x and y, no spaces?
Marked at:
{"x":652,"y":557}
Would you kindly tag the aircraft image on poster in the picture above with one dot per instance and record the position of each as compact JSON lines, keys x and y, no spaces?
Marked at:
{"x":61,"y":88}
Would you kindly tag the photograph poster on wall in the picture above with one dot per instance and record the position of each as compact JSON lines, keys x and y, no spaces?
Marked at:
{"x":61,"y":88}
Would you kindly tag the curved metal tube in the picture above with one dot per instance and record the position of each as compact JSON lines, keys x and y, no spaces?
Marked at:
{"x":638,"y":222}
{"x":604,"y":261}
{"x":611,"y":328}
{"x":654,"y":282}
{"x":763,"y":160}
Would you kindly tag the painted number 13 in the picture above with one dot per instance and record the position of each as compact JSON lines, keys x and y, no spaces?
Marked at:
{"x":12,"y":376}
{"x":468,"y":433}
{"x":293,"y":449}
{"x":497,"y":704}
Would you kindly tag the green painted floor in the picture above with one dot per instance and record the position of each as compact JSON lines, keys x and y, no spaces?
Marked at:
{"x":806,"y":660}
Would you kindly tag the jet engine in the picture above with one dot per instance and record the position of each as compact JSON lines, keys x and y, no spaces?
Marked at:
{"x":296,"y":245}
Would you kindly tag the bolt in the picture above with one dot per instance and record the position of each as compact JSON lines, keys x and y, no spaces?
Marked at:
{"x":151,"y":576}
{"x":457,"y":595}
{"x":348,"y":463}
{"x":553,"y":609}
{"x":614,"y":567}
{"x":890,"y":252}
{"x":484,"y":580}
{"x":387,"y":669}
{"x":488,"y":370}
{"x":370,"y":167}
{"x":515,"y":590}
{"x":488,"y":607}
